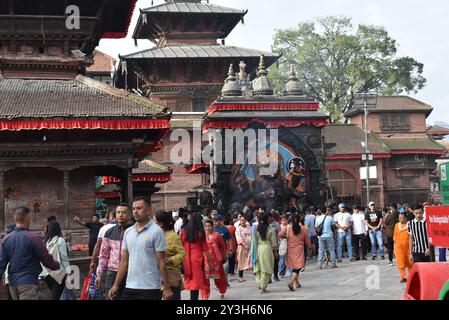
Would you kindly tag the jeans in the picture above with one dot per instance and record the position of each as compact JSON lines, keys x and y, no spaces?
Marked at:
{"x":377,"y":235}
{"x":344,"y":236}
{"x":442,"y":254}
{"x":329,"y":244}
{"x":282,"y":267}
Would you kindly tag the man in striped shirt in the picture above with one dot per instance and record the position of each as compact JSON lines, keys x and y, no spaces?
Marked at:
{"x":419,"y":244}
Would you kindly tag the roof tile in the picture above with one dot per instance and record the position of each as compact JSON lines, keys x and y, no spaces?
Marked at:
{"x":78,"y":98}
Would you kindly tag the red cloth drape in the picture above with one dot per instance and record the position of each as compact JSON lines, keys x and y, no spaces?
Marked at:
{"x":437,"y":152}
{"x":355,"y":156}
{"x":17,"y":125}
{"x":267,"y":123}
{"x":197,"y":168}
{"x":263,"y":106}
{"x":152,"y":177}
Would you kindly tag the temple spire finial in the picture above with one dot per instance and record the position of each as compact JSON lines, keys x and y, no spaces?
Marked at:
{"x":232,"y":86}
{"x":261,"y":85}
{"x":292,"y":87}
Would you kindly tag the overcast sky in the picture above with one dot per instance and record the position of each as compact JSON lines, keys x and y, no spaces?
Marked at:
{"x":420,"y":27}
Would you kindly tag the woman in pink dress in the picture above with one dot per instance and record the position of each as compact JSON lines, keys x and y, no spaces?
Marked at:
{"x":214,"y":267}
{"x":194,"y":240}
{"x":243,"y":237}
{"x":297,"y":237}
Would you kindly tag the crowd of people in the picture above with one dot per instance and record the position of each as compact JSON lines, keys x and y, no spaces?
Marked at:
{"x":139,"y":255}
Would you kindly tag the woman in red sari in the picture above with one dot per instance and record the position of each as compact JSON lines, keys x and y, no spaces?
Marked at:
{"x":214,"y":267}
{"x":194,"y":240}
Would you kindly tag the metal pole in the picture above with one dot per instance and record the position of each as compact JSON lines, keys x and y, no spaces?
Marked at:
{"x":367,"y":155}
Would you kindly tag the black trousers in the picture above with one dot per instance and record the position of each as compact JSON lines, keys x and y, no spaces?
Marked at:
{"x":390,"y":247}
{"x":55,"y":288}
{"x":194,"y":295}
{"x":276,"y":267}
{"x":241,"y":273}
{"x":139,"y":294}
{"x":420,"y":257}
{"x":231,"y":262}
{"x":176,"y":293}
{"x":109,"y":280}
{"x":359,"y":241}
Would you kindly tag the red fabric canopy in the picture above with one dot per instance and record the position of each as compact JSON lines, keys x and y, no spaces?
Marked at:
{"x":436,"y":152}
{"x":263,"y":106}
{"x":17,"y":125}
{"x":267,"y":123}
{"x":151,"y":177}
{"x":198,"y":168}
{"x":356,"y":156}
{"x":119,"y":35}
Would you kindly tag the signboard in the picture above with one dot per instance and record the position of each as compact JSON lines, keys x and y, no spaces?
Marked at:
{"x":444,"y":183}
{"x":438,"y":226}
{"x":372,"y":172}
{"x":365,"y":100}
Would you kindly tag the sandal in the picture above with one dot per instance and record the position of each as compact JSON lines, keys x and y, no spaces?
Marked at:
{"x":242,"y":280}
{"x":290,"y":286}
{"x":298,"y":285}
{"x":263,"y":291}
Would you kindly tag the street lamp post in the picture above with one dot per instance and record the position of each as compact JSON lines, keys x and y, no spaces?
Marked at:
{"x":366,"y":101}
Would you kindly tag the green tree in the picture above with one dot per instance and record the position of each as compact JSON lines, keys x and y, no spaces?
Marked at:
{"x":334,"y":61}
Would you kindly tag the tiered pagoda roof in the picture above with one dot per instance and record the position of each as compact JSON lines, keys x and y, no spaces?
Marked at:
{"x":150,"y":23}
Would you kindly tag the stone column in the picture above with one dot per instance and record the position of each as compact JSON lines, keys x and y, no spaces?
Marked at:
{"x":130,"y":186}
{"x":66,"y":198}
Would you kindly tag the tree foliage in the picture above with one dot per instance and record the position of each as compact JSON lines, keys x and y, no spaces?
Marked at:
{"x":334,"y":61}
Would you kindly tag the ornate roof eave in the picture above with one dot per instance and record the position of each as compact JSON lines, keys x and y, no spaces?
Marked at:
{"x":146,"y":17}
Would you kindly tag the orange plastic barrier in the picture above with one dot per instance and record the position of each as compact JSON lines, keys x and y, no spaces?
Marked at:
{"x":426,"y":280}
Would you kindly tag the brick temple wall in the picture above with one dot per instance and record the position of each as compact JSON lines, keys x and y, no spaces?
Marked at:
{"x":42,"y":190}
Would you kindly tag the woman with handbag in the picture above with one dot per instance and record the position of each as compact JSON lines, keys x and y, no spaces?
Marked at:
{"x":57,"y":247}
{"x":174,"y":254}
{"x":214,"y":267}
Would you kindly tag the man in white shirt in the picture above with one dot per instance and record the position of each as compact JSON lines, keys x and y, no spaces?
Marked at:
{"x":343,"y":222}
{"x":359,"y":232}
{"x":178,"y":221}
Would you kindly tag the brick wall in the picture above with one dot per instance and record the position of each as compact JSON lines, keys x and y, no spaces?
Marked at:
{"x":42,"y":190}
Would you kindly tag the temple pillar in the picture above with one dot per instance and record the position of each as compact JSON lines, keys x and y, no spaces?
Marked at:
{"x":129,"y":185}
{"x":66,"y":198}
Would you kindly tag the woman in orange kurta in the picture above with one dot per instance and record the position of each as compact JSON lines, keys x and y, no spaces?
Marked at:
{"x":402,"y":247}
{"x":297,"y":238}
{"x":194,"y":240}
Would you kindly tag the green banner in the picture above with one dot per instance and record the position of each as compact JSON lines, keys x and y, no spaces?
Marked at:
{"x":444,"y":182}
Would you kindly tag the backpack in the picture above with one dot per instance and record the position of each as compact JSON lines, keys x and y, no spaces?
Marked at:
{"x":319,"y":229}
